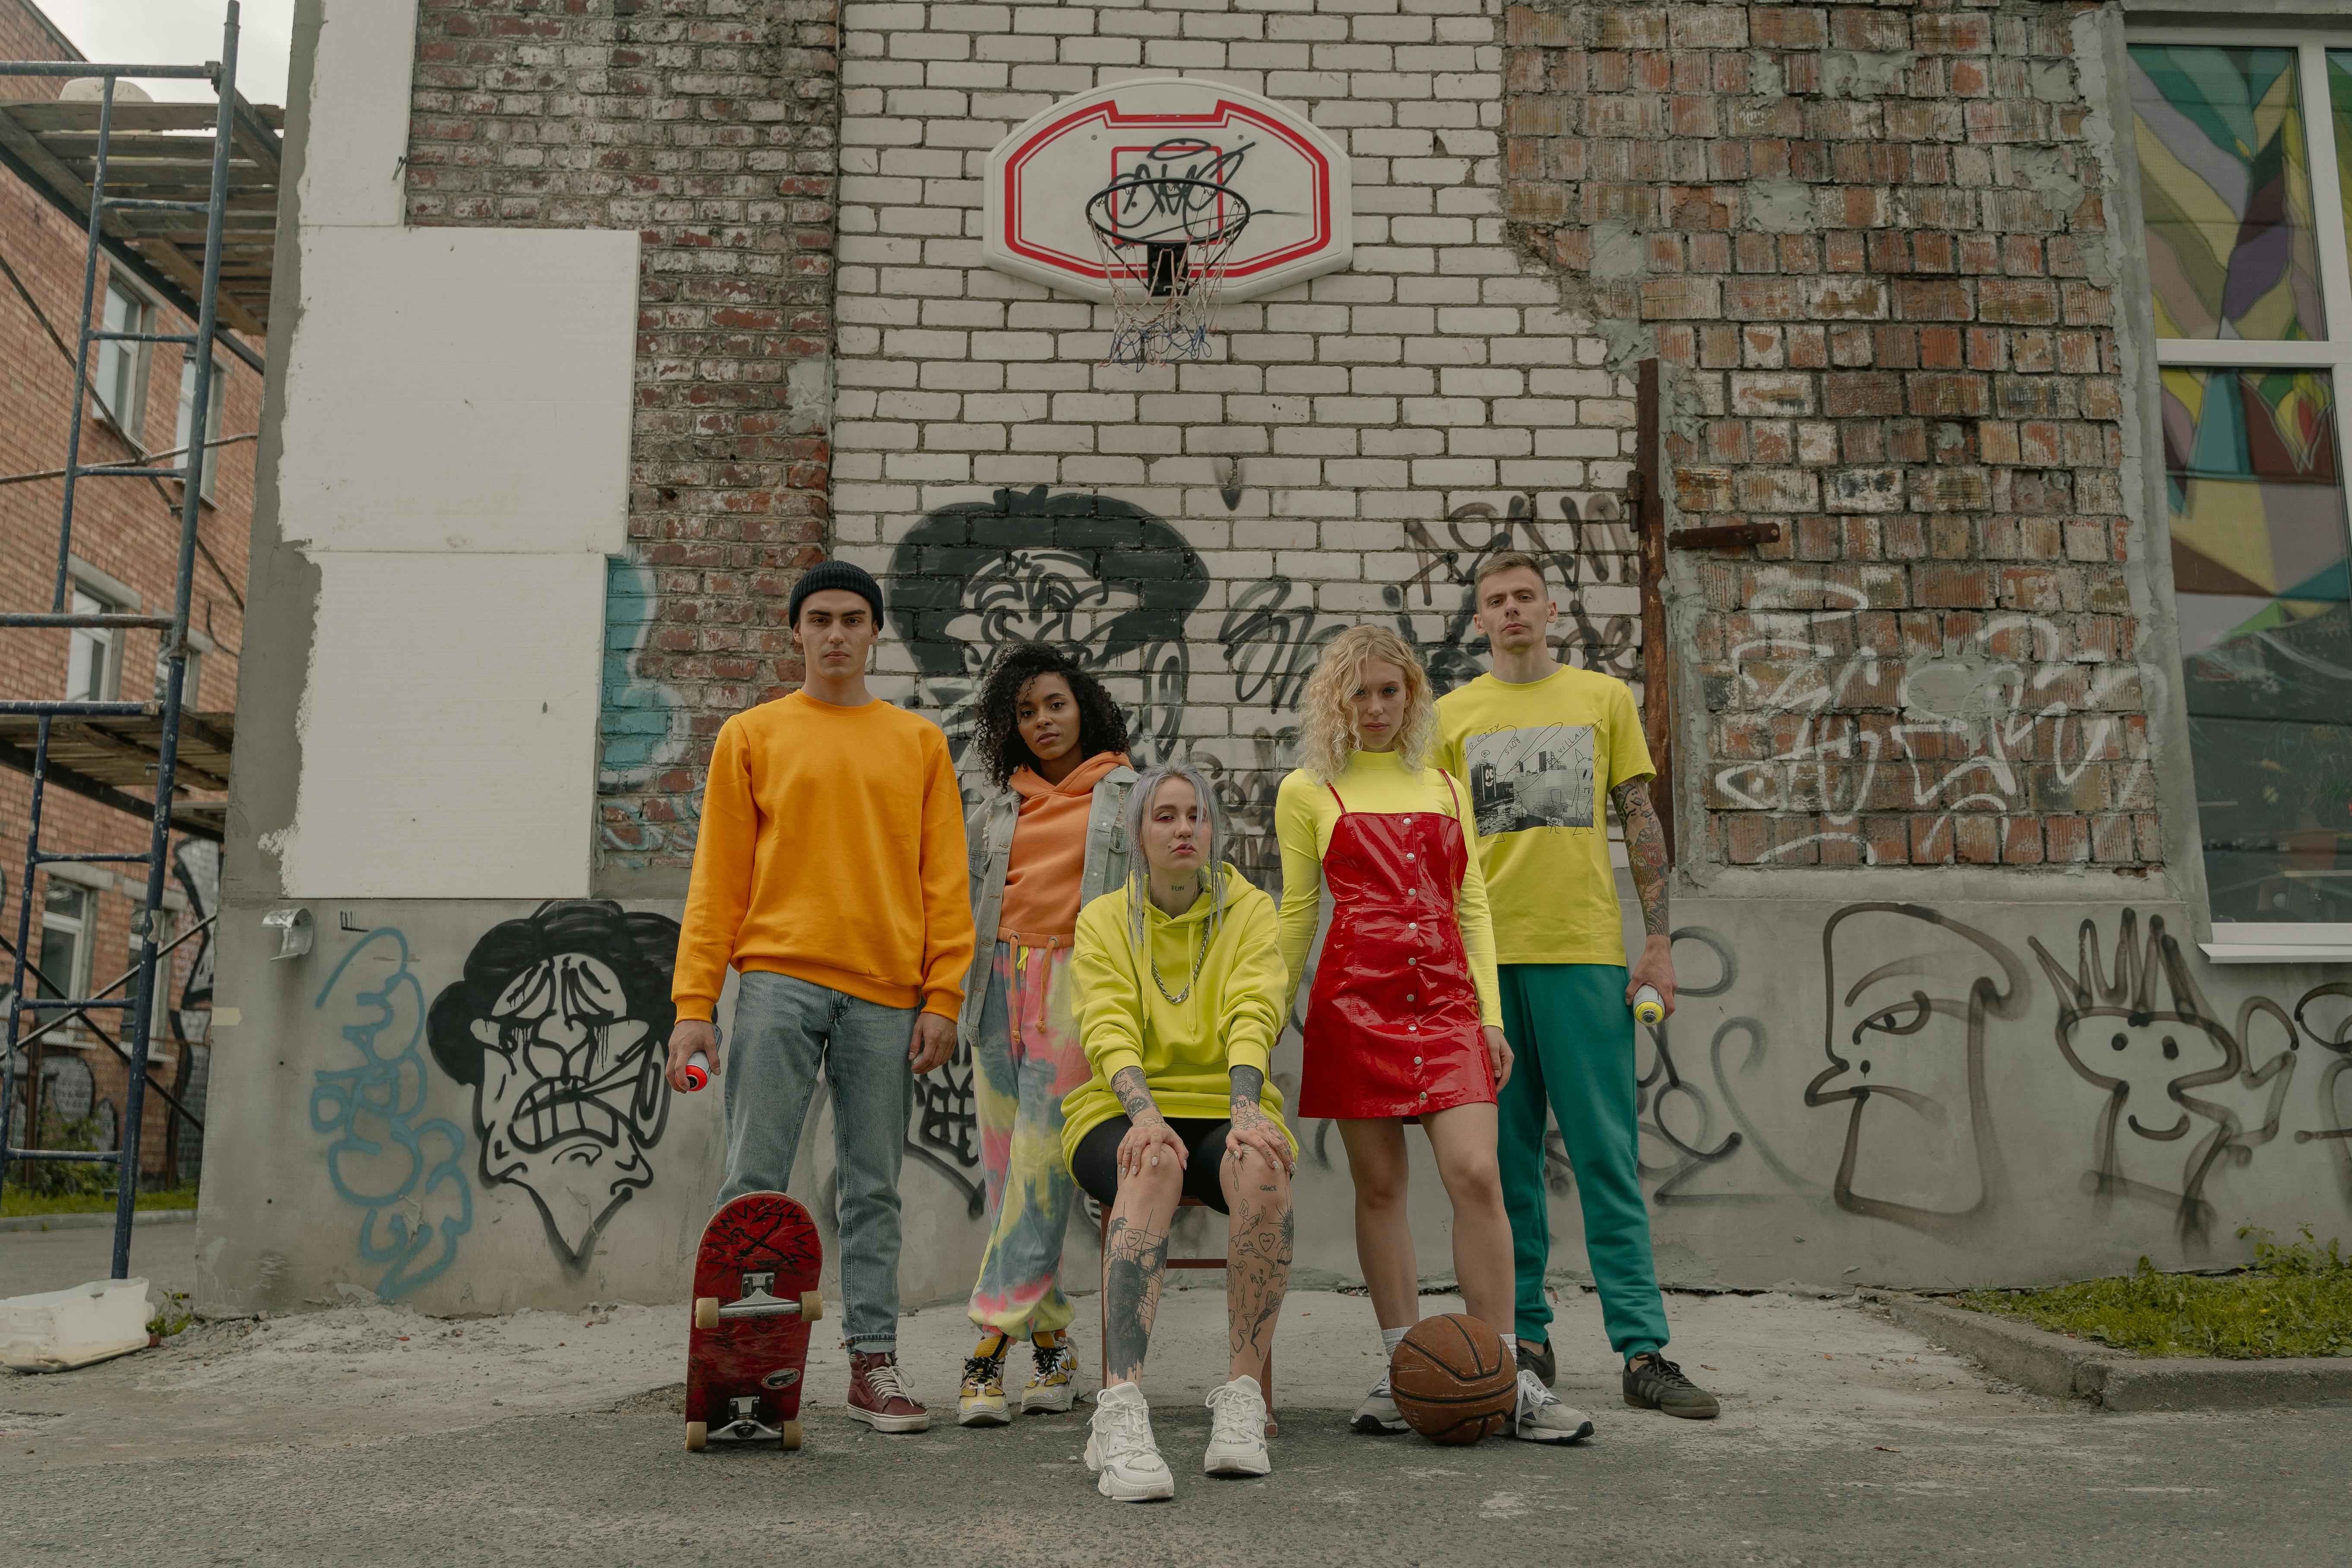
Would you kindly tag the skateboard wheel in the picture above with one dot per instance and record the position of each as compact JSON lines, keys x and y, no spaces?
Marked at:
{"x":705,"y":1312}
{"x":788,"y":1435}
{"x":698,"y":1437}
{"x":811,"y":1307}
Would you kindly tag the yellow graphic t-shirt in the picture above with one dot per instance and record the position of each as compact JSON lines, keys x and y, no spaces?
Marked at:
{"x":1538,"y":762}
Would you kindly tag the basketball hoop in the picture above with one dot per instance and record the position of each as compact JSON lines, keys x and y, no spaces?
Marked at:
{"x":1165,"y":239}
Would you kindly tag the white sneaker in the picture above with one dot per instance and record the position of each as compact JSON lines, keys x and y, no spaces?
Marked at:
{"x":1237,"y":1430}
{"x":1541,"y":1417}
{"x":1121,"y":1451}
{"x":1378,"y":1416}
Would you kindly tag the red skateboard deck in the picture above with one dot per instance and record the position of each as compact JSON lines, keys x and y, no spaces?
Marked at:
{"x":754,"y":1298}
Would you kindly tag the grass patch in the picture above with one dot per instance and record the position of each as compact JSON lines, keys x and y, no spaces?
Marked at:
{"x":2296,"y":1300}
{"x":15,"y":1200}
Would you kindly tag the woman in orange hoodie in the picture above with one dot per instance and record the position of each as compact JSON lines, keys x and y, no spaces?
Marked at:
{"x":1053,"y":742}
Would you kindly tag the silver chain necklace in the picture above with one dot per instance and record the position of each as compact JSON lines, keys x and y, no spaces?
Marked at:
{"x":1177,"y":999}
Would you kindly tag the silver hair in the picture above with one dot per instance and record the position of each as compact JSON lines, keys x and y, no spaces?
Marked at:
{"x":1138,"y":869}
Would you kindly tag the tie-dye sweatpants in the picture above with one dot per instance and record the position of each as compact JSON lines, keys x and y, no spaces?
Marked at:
{"x":1027,"y":1059}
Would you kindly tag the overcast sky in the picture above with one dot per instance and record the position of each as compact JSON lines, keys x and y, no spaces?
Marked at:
{"x":182,"y":32}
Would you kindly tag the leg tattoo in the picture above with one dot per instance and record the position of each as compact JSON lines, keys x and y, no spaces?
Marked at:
{"x":1264,"y":1236}
{"x":1135,"y":1262}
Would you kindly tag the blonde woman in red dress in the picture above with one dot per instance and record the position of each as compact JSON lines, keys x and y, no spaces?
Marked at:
{"x":1404,"y":1020}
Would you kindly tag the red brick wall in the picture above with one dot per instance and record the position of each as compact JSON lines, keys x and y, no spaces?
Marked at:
{"x":122,"y":528}
{"x":707,"y":126}
{"x":1856,"y":238}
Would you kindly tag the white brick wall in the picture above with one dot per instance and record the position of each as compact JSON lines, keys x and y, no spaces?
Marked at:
{"x":1387,"y":422}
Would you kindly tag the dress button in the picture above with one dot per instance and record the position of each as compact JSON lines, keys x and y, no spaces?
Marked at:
{"x":1425,"y":1094}
{"x":1414,"y":961}
{"x":1416,"y":1061}
{"x":1408,"y":853}
{"x":1413,"y":928}
{"x":1413,"y":1028}
{"x":1409,"y":996}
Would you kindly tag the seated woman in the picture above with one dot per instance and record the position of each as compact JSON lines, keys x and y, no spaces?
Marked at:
{"x":1179,"y":998}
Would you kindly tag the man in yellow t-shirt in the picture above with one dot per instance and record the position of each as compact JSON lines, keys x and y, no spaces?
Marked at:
{"x":1539,"y":747}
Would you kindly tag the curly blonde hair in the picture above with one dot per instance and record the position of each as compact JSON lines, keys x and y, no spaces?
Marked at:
{"x":1326,"y":730}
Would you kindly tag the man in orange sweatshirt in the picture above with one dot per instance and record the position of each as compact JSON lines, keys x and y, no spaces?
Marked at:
{"x":830,"y":875}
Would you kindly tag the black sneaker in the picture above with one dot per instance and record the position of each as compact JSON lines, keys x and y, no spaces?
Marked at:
{"x":1537,"y":1359}
{"x":1653,"y":1383}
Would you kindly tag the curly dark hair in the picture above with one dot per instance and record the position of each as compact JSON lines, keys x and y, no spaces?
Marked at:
{"x":996,"y":737}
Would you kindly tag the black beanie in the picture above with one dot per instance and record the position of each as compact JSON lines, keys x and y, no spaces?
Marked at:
{"x":838,"y":574}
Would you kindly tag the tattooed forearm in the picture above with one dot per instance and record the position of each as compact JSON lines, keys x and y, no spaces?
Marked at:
{"x":1135,"y":1095}
{"x":1134,"y":1259}
{"x":1247,"y":1082}
{"x":1645,"y":852}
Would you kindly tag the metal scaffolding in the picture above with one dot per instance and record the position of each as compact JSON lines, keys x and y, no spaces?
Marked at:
{"x":189,"y":471}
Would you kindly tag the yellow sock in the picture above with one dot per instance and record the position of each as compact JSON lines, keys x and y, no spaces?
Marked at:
{"x":991,"y":1344}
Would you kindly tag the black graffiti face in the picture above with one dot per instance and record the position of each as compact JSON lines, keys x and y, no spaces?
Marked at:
{"x":571,"y":1076}
{"x":561,"y":1025}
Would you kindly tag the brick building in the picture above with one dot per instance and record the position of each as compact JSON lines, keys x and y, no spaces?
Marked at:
{"x":1992,"y":532}
{"x":125,"y":541}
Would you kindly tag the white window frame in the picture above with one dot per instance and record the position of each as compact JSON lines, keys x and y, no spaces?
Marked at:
{"x":86,"y":600}
{"x":2247,"y":941}
{"x":183,"y":424}
{"x":84,"y":927}
{"x":136,"y":359}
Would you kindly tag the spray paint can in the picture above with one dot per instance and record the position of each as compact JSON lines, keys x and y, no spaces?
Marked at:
{"x":1649,"y":1007}
{"x":697,"y":1069}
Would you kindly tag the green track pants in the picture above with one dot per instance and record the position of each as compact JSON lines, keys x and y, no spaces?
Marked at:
{"x":1572,"y":1044}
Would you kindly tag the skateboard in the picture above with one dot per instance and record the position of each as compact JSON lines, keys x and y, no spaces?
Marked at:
{"x":754,"y":1298}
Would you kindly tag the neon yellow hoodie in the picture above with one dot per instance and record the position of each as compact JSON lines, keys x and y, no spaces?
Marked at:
{"x":1187,"y":1051}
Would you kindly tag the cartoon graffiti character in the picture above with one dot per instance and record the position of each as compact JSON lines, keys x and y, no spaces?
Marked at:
{"x":1908,"y":994}
{"x":2155,"y":1066}
{"x":1098,"y":576}
{"x":562,"y":1024}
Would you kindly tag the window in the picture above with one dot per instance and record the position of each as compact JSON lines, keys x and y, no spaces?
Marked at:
{"x":180,"y":436}
{"x":120,"y":376}
{"x":94,"y":670}
{"x":190,"y":685}
{"x":66,"y":912}
{"x":2242,"y":153}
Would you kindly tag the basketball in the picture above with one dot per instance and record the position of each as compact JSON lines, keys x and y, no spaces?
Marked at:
{"x":1451,"y":1380}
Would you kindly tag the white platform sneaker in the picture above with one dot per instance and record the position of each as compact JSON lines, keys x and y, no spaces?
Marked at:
{"x":1120,"y":1450}
{"x":1237,"y":1430}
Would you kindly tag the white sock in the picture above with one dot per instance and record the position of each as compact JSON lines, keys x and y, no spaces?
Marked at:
{"x":1390,"y":1340}
{"x":1511,"y":1346}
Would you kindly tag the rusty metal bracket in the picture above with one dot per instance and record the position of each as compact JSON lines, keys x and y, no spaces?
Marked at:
{"x":1724,"y":538}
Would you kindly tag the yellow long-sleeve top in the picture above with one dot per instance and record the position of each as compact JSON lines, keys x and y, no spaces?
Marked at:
{"x":1187,"y":1050}
{"x":1375,"y":783}
{"x":831,"y":850}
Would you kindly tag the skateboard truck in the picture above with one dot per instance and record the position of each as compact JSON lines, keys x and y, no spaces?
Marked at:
{"x":746,"y":1427}
{"x":756,"y":1302}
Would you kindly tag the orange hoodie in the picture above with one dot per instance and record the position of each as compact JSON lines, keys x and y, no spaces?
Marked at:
{"x":1049,"y":851}
{"x":831,"y":850}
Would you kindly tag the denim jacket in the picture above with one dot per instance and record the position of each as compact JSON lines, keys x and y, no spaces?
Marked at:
{"x":988,"y":839}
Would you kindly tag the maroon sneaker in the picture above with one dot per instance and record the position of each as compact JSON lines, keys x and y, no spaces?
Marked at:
{"x":878,"y":1396}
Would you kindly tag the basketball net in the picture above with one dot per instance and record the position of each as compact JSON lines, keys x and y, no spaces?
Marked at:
{"x":1164,"y":244}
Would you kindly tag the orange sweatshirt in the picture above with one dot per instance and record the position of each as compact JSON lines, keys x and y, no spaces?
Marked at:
{"x":1048,"y":863}
{"x":831,"y":850}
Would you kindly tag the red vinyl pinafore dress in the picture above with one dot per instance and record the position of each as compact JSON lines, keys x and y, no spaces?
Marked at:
{"x":1392,"y":1022}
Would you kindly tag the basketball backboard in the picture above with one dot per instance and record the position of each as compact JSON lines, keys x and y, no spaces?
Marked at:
{"x":1172,"y":146}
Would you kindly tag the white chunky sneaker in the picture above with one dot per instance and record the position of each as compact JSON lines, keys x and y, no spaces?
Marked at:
{"x":1237,"y":1430}
{"x":1378,"y":1416}
{"x":1119,"y":1450}
{"x":1542,"y":1418}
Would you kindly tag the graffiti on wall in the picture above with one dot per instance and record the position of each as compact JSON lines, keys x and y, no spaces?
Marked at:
{"x":562,"y":1024}
{"x":1936,"y":1036}
{"x":405,"y":1173}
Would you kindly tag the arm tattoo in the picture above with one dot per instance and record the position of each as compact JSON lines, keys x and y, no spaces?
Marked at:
{"x":1645,"y":851}
{"x":1247,"y":1082}
{"x":1135,"y":1095}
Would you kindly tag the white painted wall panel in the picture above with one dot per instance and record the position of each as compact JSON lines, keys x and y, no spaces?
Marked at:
{"x":460,"y":390}
{"x":358,"y":113}
{"x":449,"y":734}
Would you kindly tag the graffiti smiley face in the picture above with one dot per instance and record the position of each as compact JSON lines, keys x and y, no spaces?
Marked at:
{"x":561,"y":1025}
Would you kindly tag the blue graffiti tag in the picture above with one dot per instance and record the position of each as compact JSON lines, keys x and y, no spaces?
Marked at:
{"x":643,"y":723}
{"x":390,"y":1171}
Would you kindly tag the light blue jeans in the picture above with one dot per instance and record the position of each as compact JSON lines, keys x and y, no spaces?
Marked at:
{"x":785,"y":1029}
